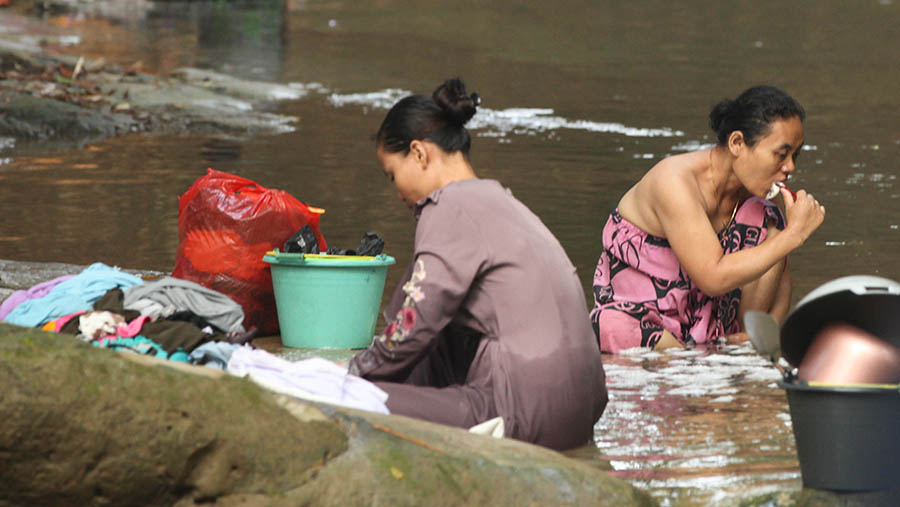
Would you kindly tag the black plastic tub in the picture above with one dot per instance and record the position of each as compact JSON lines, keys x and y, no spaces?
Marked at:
{"x":848,"y":437}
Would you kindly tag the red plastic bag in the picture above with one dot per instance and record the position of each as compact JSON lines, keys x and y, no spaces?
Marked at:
{"x":225,"y":225}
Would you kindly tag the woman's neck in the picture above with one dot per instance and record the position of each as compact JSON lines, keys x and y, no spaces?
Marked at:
{"x":455,"y":167}
{"x":723,"y":182}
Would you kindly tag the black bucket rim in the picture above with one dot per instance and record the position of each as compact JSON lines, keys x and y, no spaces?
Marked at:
{"x":825,"y":387}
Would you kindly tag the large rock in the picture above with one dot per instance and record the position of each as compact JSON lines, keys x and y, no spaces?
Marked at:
{"x":64,"y":99}
{"x":86,"y":426}
{"x":83,"y":426}
{"x":33,"y":117}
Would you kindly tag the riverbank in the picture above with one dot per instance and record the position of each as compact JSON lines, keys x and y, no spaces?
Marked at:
{"x":85,"y":426}
{"x":659,"y":429}
{"x":48,"y":96}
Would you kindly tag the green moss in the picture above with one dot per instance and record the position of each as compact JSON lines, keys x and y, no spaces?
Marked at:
{"x":448,"y":472}
{"x":386,"y":454}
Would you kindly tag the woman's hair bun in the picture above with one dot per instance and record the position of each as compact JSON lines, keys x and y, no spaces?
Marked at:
{"x":719,"y":113}
{"x":440,"y":118}
{"x":458,"y":106}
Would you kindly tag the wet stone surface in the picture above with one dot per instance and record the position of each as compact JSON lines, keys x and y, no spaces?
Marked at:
{"x":53,"y":96}
{"x":20,"y":275}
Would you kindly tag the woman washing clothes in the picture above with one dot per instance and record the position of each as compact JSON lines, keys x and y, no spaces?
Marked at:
{"x":696,"y":242}
{"x":490,"y":318}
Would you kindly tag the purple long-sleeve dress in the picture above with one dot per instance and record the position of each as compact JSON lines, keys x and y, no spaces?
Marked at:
{"x":489,"y":320}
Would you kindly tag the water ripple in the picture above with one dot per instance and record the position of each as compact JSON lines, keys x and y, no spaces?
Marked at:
{"x":502,"y":122}
{"x":700,"y":424}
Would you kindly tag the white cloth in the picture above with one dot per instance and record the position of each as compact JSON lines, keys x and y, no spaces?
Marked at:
{"x":492,"y":427}
{"x":94,"y":325}
{"x":314,"y":379}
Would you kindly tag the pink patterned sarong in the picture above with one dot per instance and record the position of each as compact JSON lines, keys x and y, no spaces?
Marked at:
{"x":640,"y":288}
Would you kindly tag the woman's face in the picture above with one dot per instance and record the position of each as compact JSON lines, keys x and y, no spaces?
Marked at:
{"x":772,"y":158}
{"x":406,"y":172}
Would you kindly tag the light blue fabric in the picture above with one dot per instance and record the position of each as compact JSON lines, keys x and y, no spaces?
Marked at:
{"x":73,"y":295}
{"x":214,"y":354}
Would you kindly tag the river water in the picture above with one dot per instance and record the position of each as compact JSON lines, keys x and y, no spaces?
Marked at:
{"x":579,"y":99}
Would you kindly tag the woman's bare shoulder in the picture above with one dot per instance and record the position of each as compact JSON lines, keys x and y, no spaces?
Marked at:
{"x":672,"y":182}
{"x":681,"y":165}
{"x":678,"y":172}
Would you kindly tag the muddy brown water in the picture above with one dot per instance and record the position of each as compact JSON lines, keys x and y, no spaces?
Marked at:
{"x":579,"y":99}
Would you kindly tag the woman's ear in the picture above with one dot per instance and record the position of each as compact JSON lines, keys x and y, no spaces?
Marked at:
{"x":418,"y":151}
{"x":736,"y":142}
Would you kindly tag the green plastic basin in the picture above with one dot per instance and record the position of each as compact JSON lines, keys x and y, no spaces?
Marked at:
{"x":326,"y":301}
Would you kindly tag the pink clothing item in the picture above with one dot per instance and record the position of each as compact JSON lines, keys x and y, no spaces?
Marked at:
{"x":62,"y":321}
{"x":641,"y":290}
{"x":38,"y":291}
{"x":133,"y":328}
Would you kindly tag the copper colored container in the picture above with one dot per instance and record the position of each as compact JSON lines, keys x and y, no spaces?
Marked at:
{"x":845,"y":354}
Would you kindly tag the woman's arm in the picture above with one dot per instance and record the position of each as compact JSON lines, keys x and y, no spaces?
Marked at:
{"x":770,"y":293}
{"x":690,"y":234}
{"x":447,"y":262}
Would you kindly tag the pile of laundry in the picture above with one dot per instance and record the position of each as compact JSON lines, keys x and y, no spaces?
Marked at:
{"x":110,"y":308}
{"x":177,"y":320}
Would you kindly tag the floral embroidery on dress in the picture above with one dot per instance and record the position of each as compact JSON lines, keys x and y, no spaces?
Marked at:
{"x":405,"y":321}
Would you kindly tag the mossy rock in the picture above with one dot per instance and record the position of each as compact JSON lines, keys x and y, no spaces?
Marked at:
{"x":87,"y":426}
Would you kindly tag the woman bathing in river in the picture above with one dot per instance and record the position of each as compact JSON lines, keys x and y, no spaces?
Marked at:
{"x":490,"y":319}
{"x":694,"y":243}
